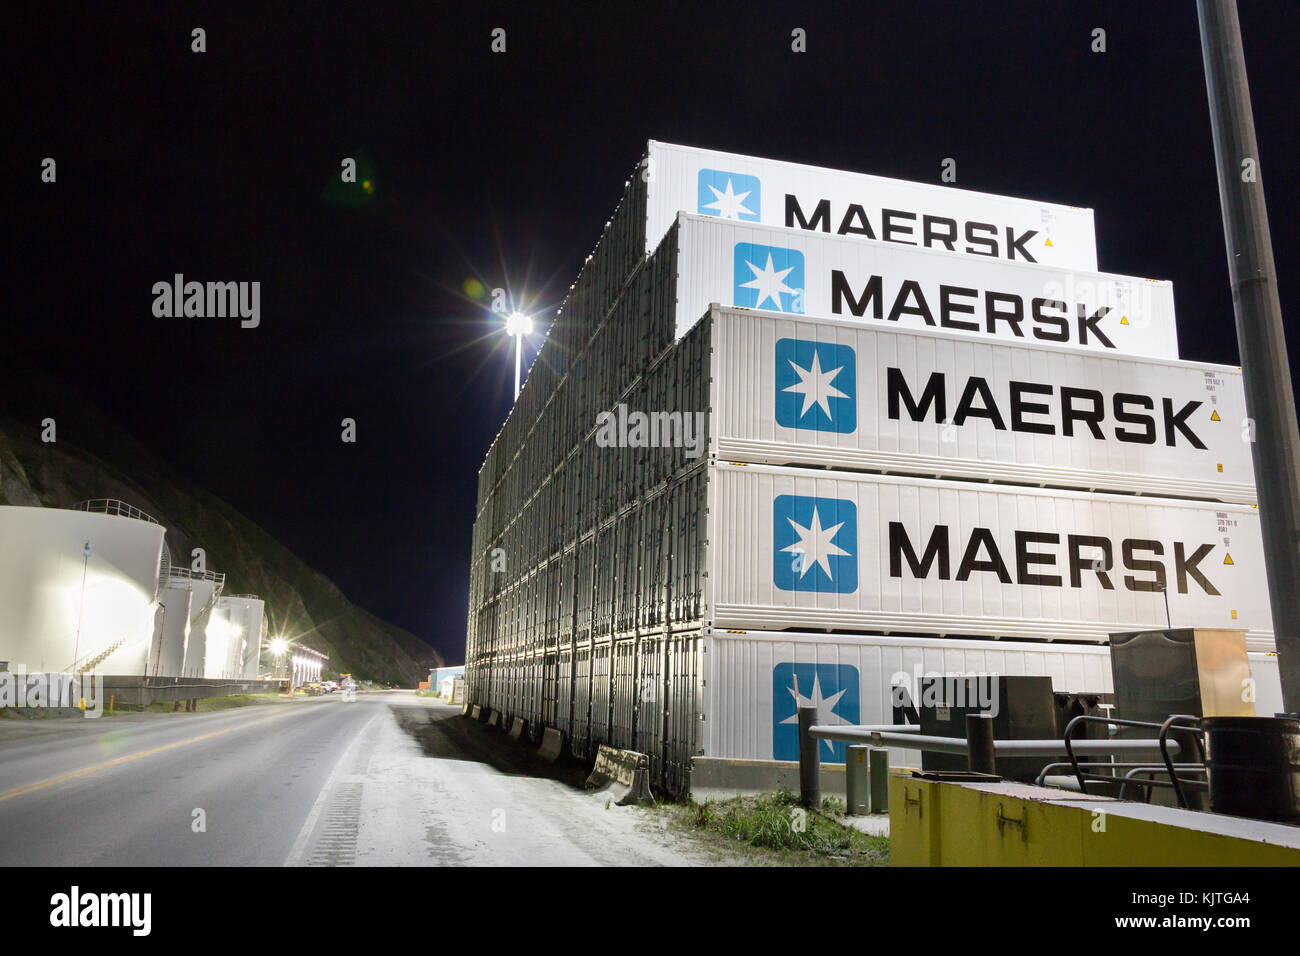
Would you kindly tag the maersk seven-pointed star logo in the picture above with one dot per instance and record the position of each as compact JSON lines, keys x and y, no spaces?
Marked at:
{"x":815,"y":544}
{"x":769,"y":277}
{"x":832,"y":688}
{"x":816,"y":386}
{"x":729,"y":195}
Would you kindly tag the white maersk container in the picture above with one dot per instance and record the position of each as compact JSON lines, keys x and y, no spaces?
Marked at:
{"x":793,"y":271}
{"x":902,"y":215}
{"x":750,"y":687}
{"x":749,"y":695}
{"x":775,"y":193}
{"x":794,"y":390}
{"x":805,"y":549}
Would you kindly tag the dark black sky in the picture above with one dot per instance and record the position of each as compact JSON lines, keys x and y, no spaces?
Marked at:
{"x":505,"y":167}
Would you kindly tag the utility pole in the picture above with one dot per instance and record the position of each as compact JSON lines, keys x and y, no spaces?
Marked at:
{"x":1270,"y":401}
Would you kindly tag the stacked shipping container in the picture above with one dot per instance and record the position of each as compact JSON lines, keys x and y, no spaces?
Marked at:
{"x":620,"y":565}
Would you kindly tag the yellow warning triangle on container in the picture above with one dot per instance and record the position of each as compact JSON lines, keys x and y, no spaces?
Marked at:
{"x":1214,"y":417}
{"x":1227,"y":559}
{"x":1049,"y":240}
{"x":1123,"y":320}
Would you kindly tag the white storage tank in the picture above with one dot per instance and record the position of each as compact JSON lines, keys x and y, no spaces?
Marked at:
{"x":172,"y":625}
{"x":76,"y":586}
{"x":221,"y":643}
{"x":207,"y":587}
{"x":244,"y":634}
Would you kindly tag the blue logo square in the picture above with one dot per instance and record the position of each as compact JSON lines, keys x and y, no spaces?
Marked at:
{"x":816,"y":386}
{"x":815,"y":544}
{"x":769,"y":277}
{"x":729,"y":195}
{"x":833,"y":688}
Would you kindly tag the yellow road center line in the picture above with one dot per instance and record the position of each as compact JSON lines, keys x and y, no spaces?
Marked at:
{"x":118,"y":761}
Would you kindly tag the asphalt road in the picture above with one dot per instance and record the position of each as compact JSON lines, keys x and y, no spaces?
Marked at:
{"x":390,"y":779}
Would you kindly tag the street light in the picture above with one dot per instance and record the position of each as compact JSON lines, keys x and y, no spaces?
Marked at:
{"x":86,"y":550}
{"x":279,"y":646}
{"x":518,"y":325}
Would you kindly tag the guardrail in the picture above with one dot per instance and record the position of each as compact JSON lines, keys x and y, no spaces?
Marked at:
{"x":979,"y":746}
{"x":113,"y":506}
{"x":1185,"y":723}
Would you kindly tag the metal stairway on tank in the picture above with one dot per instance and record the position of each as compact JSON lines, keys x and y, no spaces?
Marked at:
{"x":90,"y":663}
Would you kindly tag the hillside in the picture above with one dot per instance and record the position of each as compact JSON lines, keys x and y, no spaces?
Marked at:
{"x":301,"y":603}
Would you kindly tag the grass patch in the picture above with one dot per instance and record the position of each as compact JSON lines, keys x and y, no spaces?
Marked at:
{"x":778,"y":829}
{"x":427,"y":693}
{"x":205,"y":704}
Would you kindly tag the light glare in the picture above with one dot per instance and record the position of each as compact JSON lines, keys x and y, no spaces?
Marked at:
{"x":517,"y":323}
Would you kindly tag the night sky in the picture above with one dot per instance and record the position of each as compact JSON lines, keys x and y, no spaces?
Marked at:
{"x":504,"y":168}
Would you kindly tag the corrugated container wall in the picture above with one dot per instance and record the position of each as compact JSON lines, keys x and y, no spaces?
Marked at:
{"x":798,"y":548}
{"x":609,"y":540}
{"x":775,"y":193}
{"x":794,"y":271}
{"x":790,"y":390}
{"x":756,"y":679}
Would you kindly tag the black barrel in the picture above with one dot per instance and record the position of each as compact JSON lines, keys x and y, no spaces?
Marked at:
{"x":1254,"y":766}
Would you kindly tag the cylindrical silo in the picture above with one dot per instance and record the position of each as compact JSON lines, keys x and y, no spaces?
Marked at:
{"x":240,"y":636}
{"x":172,"y":626}
{"x":77,"y":587}
{"x":206,"y":588}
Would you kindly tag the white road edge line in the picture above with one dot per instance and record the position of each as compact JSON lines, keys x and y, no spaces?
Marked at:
{"x":298,"y":854}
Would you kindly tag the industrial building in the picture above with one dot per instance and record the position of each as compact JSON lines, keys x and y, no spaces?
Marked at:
{"x":92,"y":590}
{"x":860,"y":429}
{"x":79,"y":587}
{"x":443,"y":679}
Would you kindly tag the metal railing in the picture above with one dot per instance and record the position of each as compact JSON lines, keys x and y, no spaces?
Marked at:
{"x":982,"y":750}
{"x":113,"y":506}
{"x":91,"y":660}
{"x":899,"y":737}
{"x":1184,"y":723}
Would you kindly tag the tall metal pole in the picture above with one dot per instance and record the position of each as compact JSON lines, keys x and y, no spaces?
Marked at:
{"x":162,"y":630}
{"x":810,"y":758}
{"x":1270,"y":401}
{"x":519,"y":348}
{"x":81,"y":608}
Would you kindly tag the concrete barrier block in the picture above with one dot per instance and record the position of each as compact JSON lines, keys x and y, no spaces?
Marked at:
{"x":624,"y":772}
{"x":517,"y":729}
{"x":552,"y":745}
{"x":477,"y":712}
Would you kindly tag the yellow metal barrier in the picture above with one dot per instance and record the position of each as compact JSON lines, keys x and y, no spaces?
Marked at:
{"x":933,"y":823}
